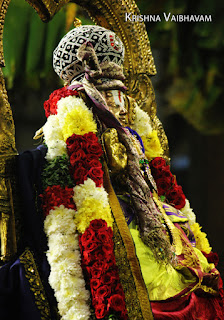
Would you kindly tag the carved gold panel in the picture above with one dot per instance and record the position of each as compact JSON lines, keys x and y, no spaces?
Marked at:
{"x":7,"y":158}
{"x":46,"y":9}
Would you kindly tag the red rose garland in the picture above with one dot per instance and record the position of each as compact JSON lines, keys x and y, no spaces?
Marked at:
{"x":96,"y":244}
{"x":50,"y":105}
{"x":166,"y":183}
{"x":55,"y":196}
{"x":98,"y":261}
{"x":84,"y":152}
{"x":176,"y":196}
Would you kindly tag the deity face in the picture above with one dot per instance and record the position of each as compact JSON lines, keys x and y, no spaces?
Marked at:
{"x":116,"y":104}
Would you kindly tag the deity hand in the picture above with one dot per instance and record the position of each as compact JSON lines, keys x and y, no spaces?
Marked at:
{"x":115,"y":150}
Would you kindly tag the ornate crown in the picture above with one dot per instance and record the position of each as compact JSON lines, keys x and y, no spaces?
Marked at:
{"x":106,"y":43}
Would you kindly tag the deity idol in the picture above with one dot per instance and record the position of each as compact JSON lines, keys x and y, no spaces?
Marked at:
{"x":120,"y":238}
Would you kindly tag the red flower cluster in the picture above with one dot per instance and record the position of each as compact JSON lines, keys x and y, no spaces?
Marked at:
{"x":166,"y":183}
{"x":50,"y":105}
{"x":84,"y":153}
{"x":55,"y":196}
{"x":98,"y":262}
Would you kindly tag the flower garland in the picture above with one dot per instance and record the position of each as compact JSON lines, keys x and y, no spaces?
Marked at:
{"x":73,"y":148}
{"x":54,"y":138}
{"x":171,"y":192}
{"x":75,"y":117}
{"x":64,"y":258}
{"x":168,"y":189}
{"x":84,"y":152}
{"x":53,"y":196}
{"x":50,"y":105}
{"x":188,"y":212}
{"x":142,"y":122}
{"x":167,"y":186}
{"x":92,"y":203}
{"x":57,"y":173}
{"x":73,"y":145}
{"x":149,"y":136}
{"x":99,"y":264}
{"x":161,"y":172}
{"x":201,"y":238}
{"x":64,"y":254}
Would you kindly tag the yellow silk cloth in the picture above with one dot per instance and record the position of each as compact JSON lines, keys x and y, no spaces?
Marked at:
{"x":164,"y":281}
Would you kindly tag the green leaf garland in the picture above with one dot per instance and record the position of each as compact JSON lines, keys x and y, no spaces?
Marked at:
{"x":56,"y":172}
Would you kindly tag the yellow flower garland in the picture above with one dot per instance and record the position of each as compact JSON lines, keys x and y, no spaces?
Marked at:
{"x":201,"y":238}
{"x":92,"y":209}
{"x":78,"y":121}
{"x":60,"y":225}
{"x":152,"y":145}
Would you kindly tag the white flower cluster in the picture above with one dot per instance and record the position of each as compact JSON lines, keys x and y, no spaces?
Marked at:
{"x":52,"y":129}
{"x":91,"y":203}
{"x":89,"y":189}
{"x":188,"y":213}
{"x":142,"y":122}
{"x":66,"y":277}
{"x":54,"y":138}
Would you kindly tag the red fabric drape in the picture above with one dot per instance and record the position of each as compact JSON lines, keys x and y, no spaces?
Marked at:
{"x":190,"y":307}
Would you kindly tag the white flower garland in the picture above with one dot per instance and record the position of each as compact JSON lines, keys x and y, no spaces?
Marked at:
{"x":142,"y":125}
{"x":89,"y":189}
{"x":66,"y":277}
{"x":54,"y":138}
{"x":188,"y":213}
{"x":142,"y":122}
{"x":53,"y":128}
